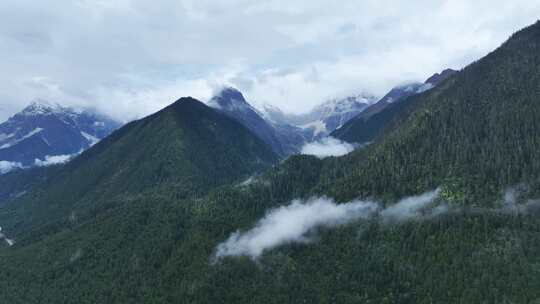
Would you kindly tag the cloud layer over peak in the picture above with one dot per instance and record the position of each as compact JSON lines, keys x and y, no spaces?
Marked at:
{"x":132,"y":57}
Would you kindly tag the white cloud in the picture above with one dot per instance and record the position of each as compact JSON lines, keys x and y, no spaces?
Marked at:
{"x":411,"y":207}
{"x":131,"y":57}
{"x":290,"y":224}
{"x":8,"y":241}
{"x":54,"y":160}
{"x":294,"y":223}
{"x":6,"y":166}
{"x":327,"y":147}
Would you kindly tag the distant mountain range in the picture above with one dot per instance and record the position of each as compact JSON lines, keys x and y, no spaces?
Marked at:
{"x":46,"y":133}
{"x":287,"y":133}
{"x":325,"y":118}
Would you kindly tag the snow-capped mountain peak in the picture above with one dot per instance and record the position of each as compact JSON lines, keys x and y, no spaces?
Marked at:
{"x":284,"y":139}
{"x":42,"y":107}
{"x":325,"y":117}
{"x":46,"y":129}
{"x":345,"y":105}
{"x":230,"y":99}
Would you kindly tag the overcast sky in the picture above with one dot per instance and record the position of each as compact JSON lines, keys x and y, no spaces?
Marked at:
{"x":130,"y":58}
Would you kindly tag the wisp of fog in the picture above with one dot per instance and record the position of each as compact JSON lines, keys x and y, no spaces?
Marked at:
{"x":412,"y":207}
{"x":10,"y":242}
{"x":293,"y":223}
{"x":326,"y":147}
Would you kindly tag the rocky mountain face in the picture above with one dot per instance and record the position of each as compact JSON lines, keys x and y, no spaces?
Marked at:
{"x":45,"y":133}
{"x":284,"y":139}
{"x":326,"y":117}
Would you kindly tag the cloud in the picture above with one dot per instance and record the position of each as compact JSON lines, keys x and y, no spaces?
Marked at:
{"x":411,"y":207}
{"x":8,"y":241}
{"x":131,"y":57}
{"x":6,"y":166}
{"x":54,"y":160}
{"x":515,"y":201}
{"x":294,"y":223}
{"x":289,"y":224}
{"x":327,"y":147}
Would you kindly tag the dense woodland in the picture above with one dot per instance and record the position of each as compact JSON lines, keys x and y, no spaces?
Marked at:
{"x":132,"y":223}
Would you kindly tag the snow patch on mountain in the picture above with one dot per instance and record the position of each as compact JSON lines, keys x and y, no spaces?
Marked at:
{"x":48,"y":129}
{"x":3,"y":137}
{"x":91,"y":139}
{"x":30,"y":134}
{"x":42,"y":107}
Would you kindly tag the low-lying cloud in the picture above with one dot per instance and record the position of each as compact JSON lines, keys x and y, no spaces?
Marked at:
{"x":292,"y":223}
{"x":295,"y":222}
{"x":51,"y":160}
{"x":514,"y":201}
{"x":6,"y":166}
{"x":8,"y":241}
{"x":327,"y":147}
{"x":412,"y":207}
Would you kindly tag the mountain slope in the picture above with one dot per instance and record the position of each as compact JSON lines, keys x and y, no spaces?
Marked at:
{"x":44,"y":130}
{"x":479,"y":127}
{"x":187,"y":147}
{"x":367,"y":125}
{"x":231,"y":102}
{"x":19,"y":182}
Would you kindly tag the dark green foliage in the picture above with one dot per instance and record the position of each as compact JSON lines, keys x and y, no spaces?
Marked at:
{"x":17,"y":183}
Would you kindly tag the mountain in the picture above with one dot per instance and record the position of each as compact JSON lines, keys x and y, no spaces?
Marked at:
{"x":324,"y":118}
{"x":474,"y":137}
{"x":365,"y":126}
{"x":437,"y":78}
{"x":187,"y":147}
{"x":45,"y":133}
{"x":284,"y":139}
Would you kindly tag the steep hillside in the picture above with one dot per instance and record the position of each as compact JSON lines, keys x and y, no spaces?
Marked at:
{"x":366,"y":126}
{"x":479,"y":128}
{"x":19,"y":182}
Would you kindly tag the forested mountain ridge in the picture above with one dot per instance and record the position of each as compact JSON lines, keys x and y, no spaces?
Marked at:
{"x":480,"y":127}
{"x":187,"y":147}
{"x":473,"y":137}
{"x":366,"y":126}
